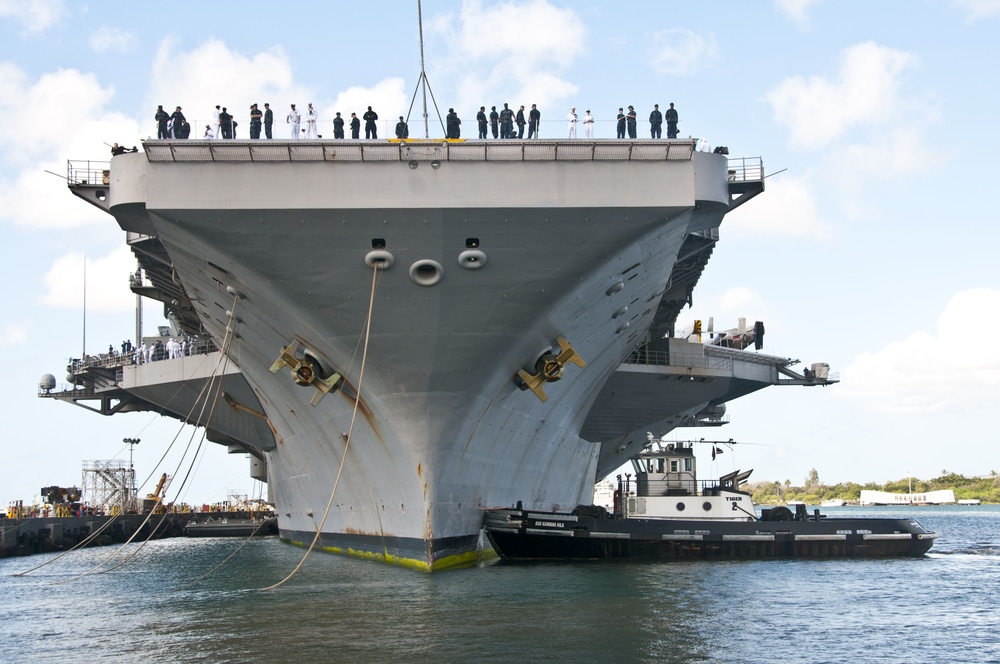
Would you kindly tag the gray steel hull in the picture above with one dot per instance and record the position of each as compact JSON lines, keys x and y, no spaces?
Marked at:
{"x":441,"y":427}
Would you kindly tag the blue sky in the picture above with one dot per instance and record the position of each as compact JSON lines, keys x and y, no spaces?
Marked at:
{"x":875,"y":251}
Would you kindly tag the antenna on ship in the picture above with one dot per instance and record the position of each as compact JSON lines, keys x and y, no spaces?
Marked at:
{"x":422,"y":82}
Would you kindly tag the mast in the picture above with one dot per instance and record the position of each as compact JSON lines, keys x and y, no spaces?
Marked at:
{"x":422,"y":83}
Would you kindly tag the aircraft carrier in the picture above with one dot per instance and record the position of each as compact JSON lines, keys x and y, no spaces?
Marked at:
{"x":522,"y":296}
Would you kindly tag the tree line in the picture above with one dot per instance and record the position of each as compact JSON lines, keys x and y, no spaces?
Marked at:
{"x":985,"y":488}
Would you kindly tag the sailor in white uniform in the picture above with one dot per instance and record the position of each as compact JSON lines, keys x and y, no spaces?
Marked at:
{"x":295,"y":120}
{"x":216,"y":125}
{"x":588,"y":125}
{"x":311,"y":117}
{"x":571,"y":119}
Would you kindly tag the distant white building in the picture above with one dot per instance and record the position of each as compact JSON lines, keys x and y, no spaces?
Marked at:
{"x":941,"y":497}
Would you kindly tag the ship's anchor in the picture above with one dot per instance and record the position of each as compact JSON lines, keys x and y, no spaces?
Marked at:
{"x":306,"y":371}
{"x":549,"y":368}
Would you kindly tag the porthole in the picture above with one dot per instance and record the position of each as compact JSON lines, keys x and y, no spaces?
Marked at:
{"x":472,"y":259}
{"x":426,"y":272}
{"x":472,"y":243}
{"x":378,"y":243}
{"x":379,"y":258}
{"x":680,"y":507}
{"x":707,"y":506}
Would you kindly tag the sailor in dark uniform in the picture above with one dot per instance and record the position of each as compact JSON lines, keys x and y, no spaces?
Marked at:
{"x":481,"y":119}
{"x":371,"y":131}
{"x":402,"y":131}
{"x":655,"y":122}
{"x":255,"y":116}
{"x":176,"y":123}
{"x":226,"y":120}
{"x":520,"y":122}
{"x":671,"y":122}
{"x":630,"y":121}
{"x":494,"y":119}
{"x":453,"y":124}
{"x":506,"y":122}
{"x":268,"y":120}
{"x":161,"y":118}
{"x":338,"y":126}
{"x":355,"y":126}
{"x":534,"y":117}
{"x":621,"y":123}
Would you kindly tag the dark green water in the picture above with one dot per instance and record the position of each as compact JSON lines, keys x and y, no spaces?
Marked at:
{"x":941,"y":607}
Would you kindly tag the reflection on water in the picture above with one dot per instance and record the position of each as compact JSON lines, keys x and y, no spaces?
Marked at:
{"x":340,"y":609}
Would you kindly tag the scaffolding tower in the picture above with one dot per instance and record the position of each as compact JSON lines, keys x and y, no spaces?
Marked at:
{"x":109,"y":486}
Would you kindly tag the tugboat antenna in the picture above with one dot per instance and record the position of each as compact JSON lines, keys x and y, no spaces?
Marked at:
{"x":422,"y":82}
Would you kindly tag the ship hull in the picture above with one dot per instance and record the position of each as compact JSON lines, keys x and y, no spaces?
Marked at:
{"x":431,"y":423}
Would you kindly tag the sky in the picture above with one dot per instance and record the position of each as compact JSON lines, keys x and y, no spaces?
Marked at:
{"x":872,"y":249}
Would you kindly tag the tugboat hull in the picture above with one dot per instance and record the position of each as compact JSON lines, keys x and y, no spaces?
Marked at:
{"x":533,"y":535}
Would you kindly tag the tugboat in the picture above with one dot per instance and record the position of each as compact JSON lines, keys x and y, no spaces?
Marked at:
{"x":670,"y":514}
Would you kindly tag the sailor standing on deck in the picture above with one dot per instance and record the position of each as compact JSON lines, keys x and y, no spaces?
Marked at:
{"x":255,"y":117}
{"x":506,"y":122}
{"x":494,"y":122}
{"x":226,"y":122}
{"x":671,"y":121}
{"x":161,"y":118}
{"x":630,"y":120}
{"x":481,"y":119}
{"x":295,"y":120}
{"x":177,"y":121}
{"x":216,"y":126}
{"x":588,"y":125}
{"x":453,"y":124}
{"x":534,"y":117}
{"x":268,"y":120}
{"x":371,"y":130}
{"x":311,"y":117}
{"x":355,"y":126}
{"x":621,"y":123}
{"x":520,"y":122}
{"x":655,"y":121}
{"x":338,"y":126}
{"x":571,"y":118}
{"x":402,"y":131}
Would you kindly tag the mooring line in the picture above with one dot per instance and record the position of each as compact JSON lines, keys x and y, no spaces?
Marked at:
{"x":350,"y":433}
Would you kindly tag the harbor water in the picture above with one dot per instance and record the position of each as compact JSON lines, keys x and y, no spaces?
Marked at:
{"x":940,"y":607}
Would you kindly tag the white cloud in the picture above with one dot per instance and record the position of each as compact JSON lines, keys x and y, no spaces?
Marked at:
{"x":932,"y":372}
{"x":682,"y":52}
{"x":388,"y":98}
{"x":796,"y":11}
{"x":788,"y":208}
{"x":13,"y":334}
{"x":977,"y":9}
{"x":106,"y":278}
{"x":28,"y":155}
{"x":34,"y":15}
{"x":52,"y":91}
{"x":510,"y":51}
{"x":211,"y":74}
{"x":106,"y":38}
{"x":865,"y":91}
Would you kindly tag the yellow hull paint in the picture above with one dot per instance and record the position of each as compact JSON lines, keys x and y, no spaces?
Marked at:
{"x":466,"y":559}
